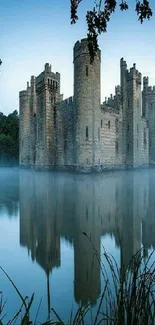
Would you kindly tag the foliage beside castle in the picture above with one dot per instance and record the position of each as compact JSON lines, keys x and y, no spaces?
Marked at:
{"x":80,"y":133}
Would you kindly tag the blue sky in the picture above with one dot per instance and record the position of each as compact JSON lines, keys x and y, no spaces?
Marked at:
{"x":33,"y":32}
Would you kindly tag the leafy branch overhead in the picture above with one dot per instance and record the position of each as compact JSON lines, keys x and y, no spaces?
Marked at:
{"x":99,"y":16}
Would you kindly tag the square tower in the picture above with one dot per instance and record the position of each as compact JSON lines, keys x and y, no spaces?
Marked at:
{"x":48,"y":94}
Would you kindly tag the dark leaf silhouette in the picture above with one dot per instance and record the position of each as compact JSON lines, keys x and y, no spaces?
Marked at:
{"x":99,"y":16}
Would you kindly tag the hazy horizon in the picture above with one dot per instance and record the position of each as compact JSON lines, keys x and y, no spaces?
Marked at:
{"x":36,"y":32}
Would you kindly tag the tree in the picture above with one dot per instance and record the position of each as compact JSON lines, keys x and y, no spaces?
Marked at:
{"x":9,"y":138}
{"x":98,"y":18}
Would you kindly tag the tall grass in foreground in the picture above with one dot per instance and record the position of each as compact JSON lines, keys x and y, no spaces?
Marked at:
{"x":128,"y":296}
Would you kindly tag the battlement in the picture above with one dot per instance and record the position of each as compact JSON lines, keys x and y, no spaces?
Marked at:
{"x":117,"y":89}
{"x":133,"y":73}
{"x":68,"y":100}
{"x":57,"y":74}
{"x":146,"y":87}
{"x":29,"y":90}
{"x":30,"y":85}
{"x":81,"y":42}
{"x":49,"y":79}
{"x":33,"y":79}
{"x":146,"y":80}
{"x":123,"y":63}
{"x":81,"y":47}
{"x":47,"y":68}
{"x":61,"y":97}
{"x":113,"y":100}
{"x":23,"y":93}
{"x":47,"y":73}
{"x":151,"y":89}
{"x":109,"y":109}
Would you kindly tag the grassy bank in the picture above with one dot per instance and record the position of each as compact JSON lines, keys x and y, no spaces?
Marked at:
{"x":128,"y":296}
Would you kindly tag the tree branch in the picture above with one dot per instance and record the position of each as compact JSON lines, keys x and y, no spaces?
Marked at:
{"x":97,"y":18}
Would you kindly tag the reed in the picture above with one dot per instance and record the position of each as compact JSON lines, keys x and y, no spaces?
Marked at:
{"x":128,"y":296}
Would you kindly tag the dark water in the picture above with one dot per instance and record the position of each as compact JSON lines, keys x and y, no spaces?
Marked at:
{"x":42,"y":245}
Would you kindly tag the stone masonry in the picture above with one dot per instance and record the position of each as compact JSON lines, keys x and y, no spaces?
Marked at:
{"x":80,"y":133}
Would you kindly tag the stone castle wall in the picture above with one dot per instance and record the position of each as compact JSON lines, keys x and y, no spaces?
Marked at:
{"x":148,"y":111}
{"x":144,"y":142}
{"x":79,"y":133}
{"x":111,"y":153}
{"x":66,"y":133}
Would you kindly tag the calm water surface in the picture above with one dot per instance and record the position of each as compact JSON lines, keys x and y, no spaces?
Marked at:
{"x":42,"y":220}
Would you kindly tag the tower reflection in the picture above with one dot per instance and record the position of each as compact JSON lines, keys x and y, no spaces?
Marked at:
{"x":55,"y":206}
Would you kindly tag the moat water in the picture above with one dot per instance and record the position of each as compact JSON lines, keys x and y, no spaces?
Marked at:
{"x":42,"y":246}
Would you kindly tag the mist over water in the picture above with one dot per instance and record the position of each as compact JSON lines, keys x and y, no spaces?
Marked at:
{"x":42,"y":220}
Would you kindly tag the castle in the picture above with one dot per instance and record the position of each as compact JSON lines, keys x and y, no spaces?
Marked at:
{"x":80,"y":133}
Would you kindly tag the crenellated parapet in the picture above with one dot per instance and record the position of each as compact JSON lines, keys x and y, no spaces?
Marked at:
{"x":110,"y":110}
{"x":48,"y":80}
{"x":68,"y":100}
{"x":114,"y":101}
{"x":129,"y":74}
{"x":81,"y":48}
{"x":150,"y":90}
{"x":134,"y":74}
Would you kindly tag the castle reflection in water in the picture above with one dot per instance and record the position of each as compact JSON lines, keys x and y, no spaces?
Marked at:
{"x":55,"y":206}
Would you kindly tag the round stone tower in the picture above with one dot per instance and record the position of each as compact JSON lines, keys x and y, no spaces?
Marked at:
{"x":87,"y":107}
{"x":24,"y":128}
